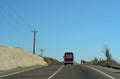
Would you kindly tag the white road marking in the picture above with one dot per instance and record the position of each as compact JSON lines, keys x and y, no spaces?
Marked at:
{"x":56,"y":72}
{"x":102,"y":73}
{"x":18,"y":72}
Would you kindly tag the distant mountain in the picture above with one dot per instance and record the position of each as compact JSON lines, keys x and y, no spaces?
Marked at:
{"x":11,"y":57}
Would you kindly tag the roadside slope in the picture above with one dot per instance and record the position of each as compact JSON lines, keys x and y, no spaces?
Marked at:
{"x":52,"y":61}
{"x":11,"y":58}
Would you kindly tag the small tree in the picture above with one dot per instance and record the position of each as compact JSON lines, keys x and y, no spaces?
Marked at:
{"x":108,"y":55}
{"x":106,"y":51}
{"x":95,"y":61}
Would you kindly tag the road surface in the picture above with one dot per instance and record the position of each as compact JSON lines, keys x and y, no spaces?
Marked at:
{"x":65,"y":72}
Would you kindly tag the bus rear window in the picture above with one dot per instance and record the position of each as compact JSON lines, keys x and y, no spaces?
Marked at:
{"x":68,"y":56}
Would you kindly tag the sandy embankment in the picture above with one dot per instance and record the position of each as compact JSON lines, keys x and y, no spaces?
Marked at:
{"x":11,"y":58}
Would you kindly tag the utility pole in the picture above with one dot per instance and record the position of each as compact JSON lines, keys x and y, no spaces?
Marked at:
{"x":34,"y":41}
{"x":41,"y":52}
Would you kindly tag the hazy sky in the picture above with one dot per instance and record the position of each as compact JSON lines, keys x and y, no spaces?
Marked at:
{"x":80,"y":26}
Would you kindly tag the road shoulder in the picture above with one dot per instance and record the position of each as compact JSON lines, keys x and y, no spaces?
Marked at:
{"x":18,"y":70}
{"x":115,"y":73}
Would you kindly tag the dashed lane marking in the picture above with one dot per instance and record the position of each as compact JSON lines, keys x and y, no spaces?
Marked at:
{"x":56,"y":72}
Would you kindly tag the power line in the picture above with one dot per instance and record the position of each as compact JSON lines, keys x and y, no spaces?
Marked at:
{"x":18,"y":15}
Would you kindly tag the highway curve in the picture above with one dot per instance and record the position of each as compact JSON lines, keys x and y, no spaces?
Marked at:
{"x":78,"y":72}
{"x":63,"y":72}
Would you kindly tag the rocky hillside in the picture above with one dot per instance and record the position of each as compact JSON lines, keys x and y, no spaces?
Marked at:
{"x":11,"y":58}
{"x":52,"y":61}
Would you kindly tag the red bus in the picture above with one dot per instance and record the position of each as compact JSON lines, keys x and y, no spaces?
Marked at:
{"x":68,"y":58}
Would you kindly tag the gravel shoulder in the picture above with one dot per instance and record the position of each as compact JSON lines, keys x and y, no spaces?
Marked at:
{"x":113,"y":72}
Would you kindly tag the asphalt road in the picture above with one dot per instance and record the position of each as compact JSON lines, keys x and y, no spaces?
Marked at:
{"x":64,"y":72}
{"x":78,"y":72}
{"x":38,"y":73}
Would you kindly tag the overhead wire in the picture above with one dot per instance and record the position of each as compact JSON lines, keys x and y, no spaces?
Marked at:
{"x":18,"y":15}
{"x":5,"y":14}
{"x":27,"y":25}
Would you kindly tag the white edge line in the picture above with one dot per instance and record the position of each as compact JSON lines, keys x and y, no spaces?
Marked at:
{"x":18,"y":72}
{"x":56,"y":72}
{"x":102,"y":73}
